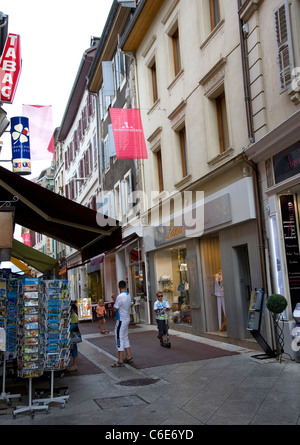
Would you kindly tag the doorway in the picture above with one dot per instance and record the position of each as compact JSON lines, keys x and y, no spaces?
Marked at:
{"x":242,"y":287}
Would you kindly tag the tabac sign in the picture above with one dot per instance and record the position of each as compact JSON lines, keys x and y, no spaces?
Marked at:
{"x":10,"y":68}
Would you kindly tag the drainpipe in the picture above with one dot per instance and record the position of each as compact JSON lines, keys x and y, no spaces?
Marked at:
{"x":260,"y":225}
{"x":245,"y":68}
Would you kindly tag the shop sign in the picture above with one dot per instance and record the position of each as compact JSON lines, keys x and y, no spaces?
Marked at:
{"x":287,"y":163}
{"x":20,"y":143}
{"x":291,"y":243}
{"x":165,"y":234}
{"x":10,"y":68}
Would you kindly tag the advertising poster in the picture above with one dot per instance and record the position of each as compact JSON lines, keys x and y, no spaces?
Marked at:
{"x":20,"y":144}
{"x":84,"y":306}
{"x":290,"y":237}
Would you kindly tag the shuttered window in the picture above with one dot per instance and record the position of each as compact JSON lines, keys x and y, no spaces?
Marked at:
{"x":283,"y":45}
{"x":112,"y":148}
{"x":108,"y":79}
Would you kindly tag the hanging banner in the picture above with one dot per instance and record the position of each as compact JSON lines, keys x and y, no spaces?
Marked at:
{"x":41,"y":131}
{"x":26,"y":237}
{"x":20,"y":144}
{"x":10,"y":68}
{"x":128,"y":133}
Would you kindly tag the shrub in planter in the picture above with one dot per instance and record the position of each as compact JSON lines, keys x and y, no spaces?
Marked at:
{"x":276,"y":303}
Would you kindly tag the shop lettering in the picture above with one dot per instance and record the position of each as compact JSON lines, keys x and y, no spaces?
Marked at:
{"x":10,"y":67}
{"x":174,"y":231}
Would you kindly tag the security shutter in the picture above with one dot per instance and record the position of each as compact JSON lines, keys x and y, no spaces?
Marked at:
{"x":283,"y":45}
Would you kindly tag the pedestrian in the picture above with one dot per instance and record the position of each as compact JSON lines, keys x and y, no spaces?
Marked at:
{"x":101,"y":313}
{"x":121,"y":311}
{"x":161,"y":307}
{"x":74,"y":334}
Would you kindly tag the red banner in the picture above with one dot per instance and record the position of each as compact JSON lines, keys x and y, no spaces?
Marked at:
{"x":26,"y":239}
{"x":128,"y":133}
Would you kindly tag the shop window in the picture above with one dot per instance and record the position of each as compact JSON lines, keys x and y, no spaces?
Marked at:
{"x":173,"y":281}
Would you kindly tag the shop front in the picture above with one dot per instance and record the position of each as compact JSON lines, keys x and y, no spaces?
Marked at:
{"x":278,"y":158}
{"x":208,"y":279}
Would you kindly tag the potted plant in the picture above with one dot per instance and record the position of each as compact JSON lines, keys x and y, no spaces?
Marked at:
{"x":276,"y":304}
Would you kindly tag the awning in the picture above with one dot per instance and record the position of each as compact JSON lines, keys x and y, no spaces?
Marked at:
{"x":34,"y":258}
{"x":46,"y":212}
{"x":21,"y":265}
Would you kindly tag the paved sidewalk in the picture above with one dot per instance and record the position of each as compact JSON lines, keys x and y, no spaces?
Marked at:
{"x":232,"y":390}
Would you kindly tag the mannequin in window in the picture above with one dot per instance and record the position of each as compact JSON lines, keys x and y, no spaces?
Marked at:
{"x":219,"y":292}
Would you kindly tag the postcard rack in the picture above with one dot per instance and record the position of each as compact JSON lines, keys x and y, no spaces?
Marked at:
{"x":8,"y":325}
{"x":56,"y":310}
{"x":30,"y":338}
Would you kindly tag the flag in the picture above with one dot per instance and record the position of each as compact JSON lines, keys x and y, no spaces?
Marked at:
{"x":40,"y":131}
{"x":128,"y":133}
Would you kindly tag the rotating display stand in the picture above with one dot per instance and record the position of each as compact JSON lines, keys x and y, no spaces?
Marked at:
{"x":8,"y":320}
{"x":56,"y":310}
{"x":30,"y":339}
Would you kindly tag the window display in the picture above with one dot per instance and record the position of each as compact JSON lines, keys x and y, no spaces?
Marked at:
{"x":173,"y":281}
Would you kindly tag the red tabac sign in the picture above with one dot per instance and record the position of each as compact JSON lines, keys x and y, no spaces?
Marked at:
{"x":10,"y":68}
{"x":128,"y":133}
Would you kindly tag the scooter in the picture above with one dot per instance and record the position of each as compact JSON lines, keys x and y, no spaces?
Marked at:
{"x":166,"y":343}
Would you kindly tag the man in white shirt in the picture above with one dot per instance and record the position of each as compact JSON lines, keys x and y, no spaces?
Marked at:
{"x":121,"y":311}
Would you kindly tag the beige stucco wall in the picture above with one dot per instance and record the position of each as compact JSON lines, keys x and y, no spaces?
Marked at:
{"x":200,"y":53}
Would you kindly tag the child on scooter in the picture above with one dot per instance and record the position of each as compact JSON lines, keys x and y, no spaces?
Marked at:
{"x":161,"y":307}
{"x":101,"y":312}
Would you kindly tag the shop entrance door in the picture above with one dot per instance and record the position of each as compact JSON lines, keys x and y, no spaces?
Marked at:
{"x":243,"y":287}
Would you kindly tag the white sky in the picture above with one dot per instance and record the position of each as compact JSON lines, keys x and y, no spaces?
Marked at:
{"x":54,"y":35}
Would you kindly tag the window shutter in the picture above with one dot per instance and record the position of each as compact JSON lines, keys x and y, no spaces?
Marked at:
{"x":112,"y":148}
{"x":102,"y":155}
{"x":101,"y":109}
{"x":108,"y":79}
{"x":106,"y":144}
{"x":95,"y":149}
{"x":67,"y":190}
{"x":283,"y":45}
{"x":117,"y":69}
{"x":66,"y":160}
{"x":122,"y":64}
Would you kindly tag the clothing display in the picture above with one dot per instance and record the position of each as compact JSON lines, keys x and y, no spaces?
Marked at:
{"x":219,"y":292}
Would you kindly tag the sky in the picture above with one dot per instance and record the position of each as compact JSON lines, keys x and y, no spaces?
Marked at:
{"x":54,"y":35}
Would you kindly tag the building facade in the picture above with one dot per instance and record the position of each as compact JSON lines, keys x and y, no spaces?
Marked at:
{"x":274,"y":59}
{"x":77,"y":171}
{"x":191,"y":93}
